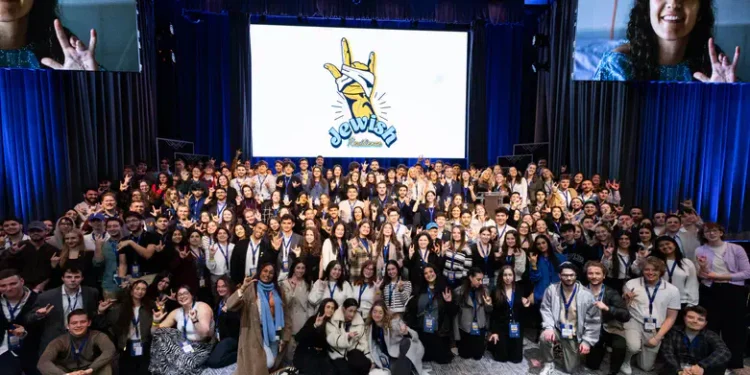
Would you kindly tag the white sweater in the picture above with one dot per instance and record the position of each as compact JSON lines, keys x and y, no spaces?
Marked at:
{"x":685,"y":279}
{"x":322,"y":290}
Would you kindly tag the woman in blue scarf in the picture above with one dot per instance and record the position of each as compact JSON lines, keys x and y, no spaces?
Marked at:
{"x":263,"y":330}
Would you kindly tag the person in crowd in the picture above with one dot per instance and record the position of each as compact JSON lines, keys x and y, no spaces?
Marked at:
{"x":486,"y":257}
{"x":621,"y":262}
{"x":128,"y":324}
{"x":331,"y":285}
{"x":110,"y":260}
{"x":421,"y":256}
{"x":31,"y":255}
{"x":80,"y":350}
{"x":475,"y":305}
{"x":348,"y":346}
{"x":694,"y":350}
{"x":505,"y":340}
{"x":18,"y":354}
{"x":614,"y":313}
{"x":367,"y":288}
{"x":181,"y":339}
{"x":245,"y":261}
{"x":431,"y":315}
{"x":653,"y":305}
{"x":543,"y":264}
{"x":335,"y":248}
{"x":723,"y":269}
{"x":576,"y":252}
{"x":394,"y":347}
{"x":311,"y":355}
{"x":227,"y":327}
{"x":219,"y":256}
{"x":387,"y":248}
{"x":289,"y":242}
{"x":395,"y":290}
{"x":687,"y":241}
{"x":62,"y":227}
{"x":162,"y":293}
{"x":570,"y":317}
{"x":361,"y":249}
{"x":457,"y":257}
{"x":681,"y":271}
{"x":296,"y":297}
{"x":54,"y":306}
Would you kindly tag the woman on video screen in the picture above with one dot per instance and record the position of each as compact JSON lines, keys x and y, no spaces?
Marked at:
{"x":32,"y":37}
{"x":669,"y":40}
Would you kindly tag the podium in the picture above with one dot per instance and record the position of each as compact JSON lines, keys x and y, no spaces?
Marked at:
{"x":493,"y":201}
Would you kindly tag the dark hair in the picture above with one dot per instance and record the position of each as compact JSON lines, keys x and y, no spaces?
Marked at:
{"x":567,"y":227}
{"x":72,"y":269}
{"x":125,"y":317}
{"x":350,"y":302}
{"x":644,"y":45}
{"x":552,"y":258}
{"x":275,"y":280}
{"x":41,"y":34}
{"x":440,"y":284}
{"x":153,"y":290}
{"x":327,"y":273}
{"x":700,"y":310}
{"x":502,"y":210}
{"x":387,"y":279}
{"x":287,"y":217}
{"x":500,"y":285}
{"x":567,"y":266}
{"x":322,"y":307}
{"x":83,"y":312}
{"x":11,"y":218}
{"x":9,"y":272}
{"x":294,"y":264}
{"x":677,"y":253}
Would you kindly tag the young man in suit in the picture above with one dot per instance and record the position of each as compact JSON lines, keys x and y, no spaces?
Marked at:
{"x":289,"y":242}
{"x":53,"y":306}
{"x":18,"y":353}
{"x":246,"y":261}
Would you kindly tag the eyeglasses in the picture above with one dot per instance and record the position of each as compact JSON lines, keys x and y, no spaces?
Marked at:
{"x":567,"y":276}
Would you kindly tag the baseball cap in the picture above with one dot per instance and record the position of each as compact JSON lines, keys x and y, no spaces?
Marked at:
{"x":37,"y":225}
{"x":97,"y":216}
{"x":432,"y":226}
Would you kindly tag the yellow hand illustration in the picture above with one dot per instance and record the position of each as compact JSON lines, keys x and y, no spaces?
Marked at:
{"x":355,"y":81}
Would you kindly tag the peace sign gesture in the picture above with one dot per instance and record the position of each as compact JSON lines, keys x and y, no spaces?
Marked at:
{"x":722,"y":69}
{"x":487,"y":299}
{"x":319,"y":319}
{"x":183,"y":253}
{"x":447,"y":295}
{"x":77,"y":55}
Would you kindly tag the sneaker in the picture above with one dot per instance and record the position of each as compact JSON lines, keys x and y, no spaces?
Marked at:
{"x":548,"y":369}
{"x":626,"y":369}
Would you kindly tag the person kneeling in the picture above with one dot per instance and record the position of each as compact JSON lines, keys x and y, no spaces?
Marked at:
{"x":570,"y":317}
{"x":694,"y":350}
{"x":80,"y":351}
{"x":394,"y":348}
{"x":349,"y":347}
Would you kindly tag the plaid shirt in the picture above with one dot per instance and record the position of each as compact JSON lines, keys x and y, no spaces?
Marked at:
{"x":707,"y":350}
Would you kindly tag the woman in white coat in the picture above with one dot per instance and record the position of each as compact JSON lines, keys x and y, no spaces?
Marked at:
{"x":332,"y":285}
{"x":348,"y":347}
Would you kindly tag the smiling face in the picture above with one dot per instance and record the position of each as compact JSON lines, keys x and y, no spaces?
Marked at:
{"x":78,"y":325}
{"x":184,"y":297}
{"x":329,"y":309}
{"x":139,"y":290}
{"x":392,"y":271}
{"x":335,"y":273}
{"x":673,"y":19}
{"x":429,"y":275}
{"x":266,"y":274}
{"x":377,"y":314}
{"x":13,"y":10}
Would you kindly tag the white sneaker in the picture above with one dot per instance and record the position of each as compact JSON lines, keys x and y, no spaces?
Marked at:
{"x":626,"y":369}
{"x":548,"y":369}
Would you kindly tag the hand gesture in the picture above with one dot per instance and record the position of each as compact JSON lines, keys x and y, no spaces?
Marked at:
{"x":411,"y":251}
{"x":238,"y":153}
{"x":295,"y":184}
{"x":447,"y":295}
{"x":77,"y":55}
{"x":42,"y":312}
{"x":526,"y":302}
{"x":722,"y":69}
{"x":403,"y":329}
{"x":629,"y":297}
{"x":352,"y":334}
{"x":548,"y":335}
{"x":159,"y":315}
{"x":155,"y":212}
{"x":533,"y":258}
{"x":212,"y":251}
{"x":400,"y":285}
{"x":17,"y":330}
{"x":55,"y":260}
{"x":247,"y":282}
{"x":378,"y":283}
{"x":601,"y":306}
{"x":609,"y":250}
{"x":123,"y":186}
{"x":105,"y":305}
{"x":494,"y":338}
{"x":319,"y":319}
{"x":211,"y":191}
{"x":160,"y":246}
{"x":183,"y":253}
{"x":358,"y":95}
{"x":193,"y":314}
{"x":364,"y":166}
{"x":215,"y":218}
{"x":238,"y":200}
{"x":276,"y":242}
{"x":487,"y":299}
{"x":584,"y":348}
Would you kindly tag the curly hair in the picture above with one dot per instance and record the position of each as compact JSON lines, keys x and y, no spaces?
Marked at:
{"x":644,"y":45}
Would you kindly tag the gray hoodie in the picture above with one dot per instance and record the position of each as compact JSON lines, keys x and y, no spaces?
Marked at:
{"x":589,"y":319}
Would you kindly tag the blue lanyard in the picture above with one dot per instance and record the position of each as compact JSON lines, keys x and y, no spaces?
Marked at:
{"x":386,"y":250}
{"x":365,"y":244}
{"x":286,"y":244}
{"x":509,"y":258}
{"x":220,"y":209}
{"x":332,"y":290}
{"x":510,"y":303}
{"x":568,"y":302}
{"x":185,"y":322}
{"x":475,"y":304}
{"x":431,"y":210}
{"x":505,"y":227}
{"x":390,"y":293}
{"x":430,"y":300}
{"x":341,"y":251}
{"x":12,"y":309}
{"x":600,"y":297}
{"x":362,"y":289}
{"x":351,"y":209}
{"x":72,"y":306}
{"x":76,"y":351}
{"x":425,"y":256}
{"x":136,"y":320}
{"x":651,"y":297}
{"x":622,"y":259}
{"x":286,"y":184}
{"x":453,"y":260}
{"x":254,"y":249}
{"x":486,"y":257}
{"x":670,"y":271}
{"x":224,"y":253}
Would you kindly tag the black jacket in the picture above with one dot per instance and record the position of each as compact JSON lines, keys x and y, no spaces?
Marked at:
{"x":238,"y":266}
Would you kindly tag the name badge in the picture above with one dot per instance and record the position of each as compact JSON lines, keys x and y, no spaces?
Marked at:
{"x":285,"y":265}
{"x":429,"y":324}
{"x":186,"y":347}
{"x":514,"y":330}
{"x":452,"y":276}
{"x":136,"y":349}
{"x":286,"y":197}
{"x":135,"y":270}
{"x":252,"y":271}
{"x":14,"y":342}
{"x":202,"y":282}
{"x":486,"y":281}
{"x":566,"y":331}
{"x":475,"y":329}
{"x":649,"y":324}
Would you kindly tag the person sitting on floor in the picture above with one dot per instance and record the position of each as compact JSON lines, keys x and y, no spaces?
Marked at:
{"x":80,"y":351}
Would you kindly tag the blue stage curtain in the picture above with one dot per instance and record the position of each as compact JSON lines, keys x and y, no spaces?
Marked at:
{"x":695,"y":144}
{"x":34,"y":181}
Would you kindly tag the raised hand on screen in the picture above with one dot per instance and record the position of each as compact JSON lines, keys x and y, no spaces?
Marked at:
{"x":723,"y":70}
{"x":78,"y":56}
{"x":355,"y":81}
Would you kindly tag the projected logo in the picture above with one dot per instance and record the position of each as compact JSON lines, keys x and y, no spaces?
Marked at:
{"x":356,"y":86}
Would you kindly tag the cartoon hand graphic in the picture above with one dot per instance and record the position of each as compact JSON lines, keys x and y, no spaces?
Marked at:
{"x":355,"y":81}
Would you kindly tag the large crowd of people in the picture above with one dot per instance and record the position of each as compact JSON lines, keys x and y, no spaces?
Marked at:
{"x":301,"y":268}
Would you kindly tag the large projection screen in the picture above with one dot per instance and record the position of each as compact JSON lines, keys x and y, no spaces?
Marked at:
{"x":344,"y":92}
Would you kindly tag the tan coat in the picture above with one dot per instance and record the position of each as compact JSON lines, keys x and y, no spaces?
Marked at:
{"x":251,"y":358}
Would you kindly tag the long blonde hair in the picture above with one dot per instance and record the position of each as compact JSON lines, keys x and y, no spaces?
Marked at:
{"x":65,"y":252}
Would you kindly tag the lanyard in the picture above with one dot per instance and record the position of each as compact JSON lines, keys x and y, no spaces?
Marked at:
{"x":224,"y":253}
{"x":72,"y":306}
{"x":431,"y":210}
{"x":342,"y":254}
{"x":136,"y":320}
{"x":362,"y":289}
{"x":287,"y":245}
{"x":430,"y":299}
{"x":624,"y":263}
{"x":569,"y":301}
{"x":486,"y":257}
{"x":670,"y":271}
{"x":386,"y":250}
{"x":425,"y":255}
{"x":475,"y":304}
{"x":220,"y":210}
{"x":76,"y":350}
{"x":509,"y":258}
{"x":332,"y":290}
{"x":453,"y":260}
{"x":253,"y":251}
{"x":390,"y":294}
{"x":651,"y":297}
{"x":352,"y":206}
{"x":510,"y":303}
{"x":286,"y":184}
{"x":12,"y":309}
{"x":261,"y":182}
{"x":185,"y":322}
{"x":365,"y":244}
{"x":600,"y":297}
{"x":505,"y":227}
